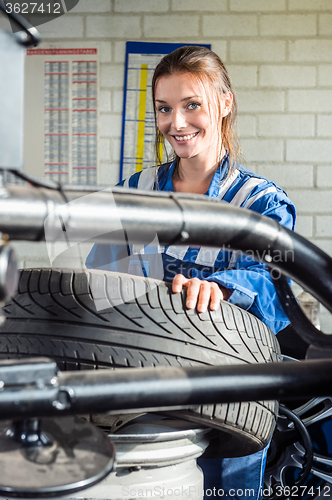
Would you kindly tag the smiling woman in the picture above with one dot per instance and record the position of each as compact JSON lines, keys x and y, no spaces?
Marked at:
{"x":195,"y":110}
{"x":185,"y":120}
{"x":202,"y":74}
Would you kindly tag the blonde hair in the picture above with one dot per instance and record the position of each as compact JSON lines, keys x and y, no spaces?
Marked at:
{"x":209,"y":70}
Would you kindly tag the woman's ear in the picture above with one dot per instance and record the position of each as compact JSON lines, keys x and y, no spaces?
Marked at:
{"x":227,"y":104}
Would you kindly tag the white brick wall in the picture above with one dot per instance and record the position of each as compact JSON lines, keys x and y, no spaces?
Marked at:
{"x":243,"y":76}
{"x":111,"y":75}
{"x":310,"y":100}
{"x":257,"y":150}
{"x":324,"y":125}
{"x":104,"y":149}
{"x":286,"y":125}
{"x":312,"y":201}
{"x":288,"y":25}
{"x":247,"y":51}
{"x":317,"y":5}
{"x":115,"y":150}
{"x":105,"y":100}
{"x":110,"y":125}
{"x":325,"y":75}
{"x":257,"y":5}
{"x":220,"y":48}
{"x":109,"y":173}
{"x":93,"y":7}
{"x":289,"y":176}
{"x":286,"y":76}
{"x":257,"y":101}
{"x":279,"y":55}
{"x":246,"y":126}
{"x":112,"y":26}
{"x":324,"y":176}
{"x":309,"y":150}
{"x":198,"y":5}
{"x":174,"y":26}
{"x":304,"y":225}
{"x":119,"y":50}
{"x":67,"y":26}
{"x":117,"y":101}
{"x":312,"y":50}
{"x":323,"y":226}
{"x":139,"y":6}
{"x":105,"y":52}
{"x":325,"y":26}
{"x":230,"y":25}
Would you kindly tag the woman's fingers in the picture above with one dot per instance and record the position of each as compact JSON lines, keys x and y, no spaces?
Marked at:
{"x":179,"y":282}
{"x":193,"y":292}
{"x":199,"y":292}
{"x":216,"y":296}
{"x":203,"y":296}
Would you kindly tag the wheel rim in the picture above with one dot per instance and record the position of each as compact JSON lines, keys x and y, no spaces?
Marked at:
{"x":287,"y":466}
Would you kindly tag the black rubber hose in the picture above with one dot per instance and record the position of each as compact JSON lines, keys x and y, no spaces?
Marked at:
{"x":278,"y":488}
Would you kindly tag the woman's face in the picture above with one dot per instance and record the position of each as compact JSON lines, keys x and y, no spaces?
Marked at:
{"x":184,"y":118}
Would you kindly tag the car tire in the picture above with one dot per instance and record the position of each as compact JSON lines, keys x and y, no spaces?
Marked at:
{"x":90,"y":319}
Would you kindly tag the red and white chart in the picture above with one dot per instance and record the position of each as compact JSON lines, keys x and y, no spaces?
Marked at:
{"x":62,"y":85}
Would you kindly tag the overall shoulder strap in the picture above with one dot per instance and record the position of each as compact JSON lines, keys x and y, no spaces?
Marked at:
{"x":147,"y":179}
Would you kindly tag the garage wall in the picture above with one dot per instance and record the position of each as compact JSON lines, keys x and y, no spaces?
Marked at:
{"x":279,"y":54}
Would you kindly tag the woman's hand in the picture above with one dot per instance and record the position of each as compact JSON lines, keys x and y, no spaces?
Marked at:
{"x":200,"y":292}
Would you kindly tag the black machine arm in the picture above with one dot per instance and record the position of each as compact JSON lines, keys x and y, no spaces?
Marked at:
{"x":33,"y":388}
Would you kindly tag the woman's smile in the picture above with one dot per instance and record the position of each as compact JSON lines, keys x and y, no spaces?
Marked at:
{"x":182,"y":138}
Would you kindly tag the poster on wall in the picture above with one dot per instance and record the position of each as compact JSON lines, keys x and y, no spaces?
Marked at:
{"x":61,"y":113}
{"x":138,"y":126}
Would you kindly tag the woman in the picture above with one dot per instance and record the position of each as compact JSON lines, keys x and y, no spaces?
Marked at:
{"x":195,"y":110}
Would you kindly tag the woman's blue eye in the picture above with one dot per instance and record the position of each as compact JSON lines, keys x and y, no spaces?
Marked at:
{"x":163,"y":109}
{"x":193,"y":105}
